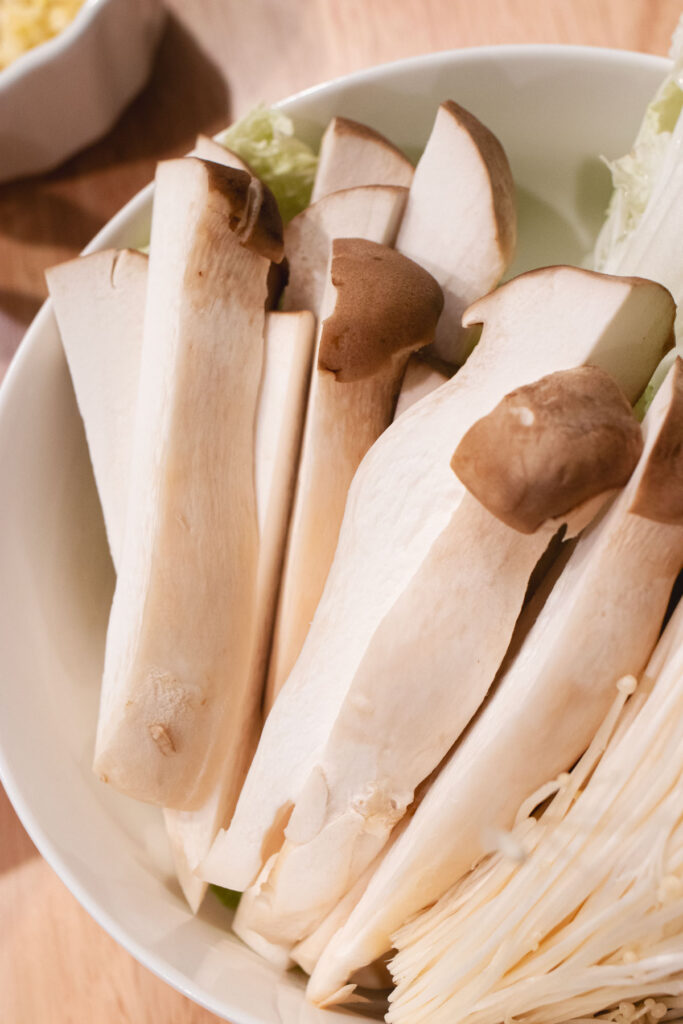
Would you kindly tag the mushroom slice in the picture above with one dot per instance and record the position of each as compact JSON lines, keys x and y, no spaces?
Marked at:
{"x":209,"y":149}
{"x":279,"y":425}
{"x":351,"y":154}
{"x":425,"y":672}
{"x":422,"y":376}
{"x":282,"y":406}
{"x":99,"y":303}
{"x":599,"y":623}
{"x":460,"y":221}
{"x":382,"y":307}
{"x":182,"y":623}
{"x":323,"y":773}
{"x":290,"y":339}
{"x":373,"y":212}
{"x":307,"y":953}
{"x":103,"y":337}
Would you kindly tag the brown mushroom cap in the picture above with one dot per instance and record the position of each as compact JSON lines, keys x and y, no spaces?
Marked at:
{"x":385,"y":304}
{"x":660,"y":491}
{"x":254,"y":216}
{"x":550,"y":446}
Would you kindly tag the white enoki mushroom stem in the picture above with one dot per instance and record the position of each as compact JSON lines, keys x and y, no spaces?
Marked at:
{"x":591,"y":913}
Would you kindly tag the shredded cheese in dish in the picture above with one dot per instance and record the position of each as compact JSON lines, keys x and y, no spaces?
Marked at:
{"x":26,"y":23}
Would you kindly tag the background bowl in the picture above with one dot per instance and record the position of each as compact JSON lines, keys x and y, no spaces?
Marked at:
{"x":66,"y":92}
{"x":554,"y":109}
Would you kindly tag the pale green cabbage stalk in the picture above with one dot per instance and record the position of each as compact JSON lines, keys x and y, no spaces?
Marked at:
{"x":228,"y":897}
{"x":643,"y":232}
{"x":265,"y":139}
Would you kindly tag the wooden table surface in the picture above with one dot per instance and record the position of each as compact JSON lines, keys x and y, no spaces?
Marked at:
{"x":216,"y":59}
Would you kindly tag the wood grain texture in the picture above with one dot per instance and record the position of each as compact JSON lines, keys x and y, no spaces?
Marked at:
{"x":57,"y":966}
{"x":216,"y":59}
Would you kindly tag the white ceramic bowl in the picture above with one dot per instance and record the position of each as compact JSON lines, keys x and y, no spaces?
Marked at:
{"x":554,"y":109}
{"x":66,"y":92}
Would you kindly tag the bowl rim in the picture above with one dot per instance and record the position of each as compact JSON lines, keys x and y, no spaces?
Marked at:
{"x":31,"y":341}
{"x":55,"y":46}
{"x":137,"y":202}
{"x":562,"y":50}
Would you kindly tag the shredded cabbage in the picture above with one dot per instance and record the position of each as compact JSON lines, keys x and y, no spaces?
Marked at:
{"x":634,"y":175}
{"x":644,"y":225}
{"x":265,"y":140}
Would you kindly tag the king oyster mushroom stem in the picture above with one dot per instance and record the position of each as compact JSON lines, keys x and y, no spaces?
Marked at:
{"x":347,"y":810}
{"x":282,"y":404}
{"x":279,"y":426}
{"x":422,"y":376}
{"x":373,"y":212}
{"x":460,"y":222}
{"x":289,"y":343}
{"x":351,"y":154}
{"x":103,"y":340}
{"x":599,"y":623}
{"x":182,"y":623}
{"x":307,"y":952}
{"x":379,"y":307}
{"x":323,"y":778}
{"x":99,"y":304}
